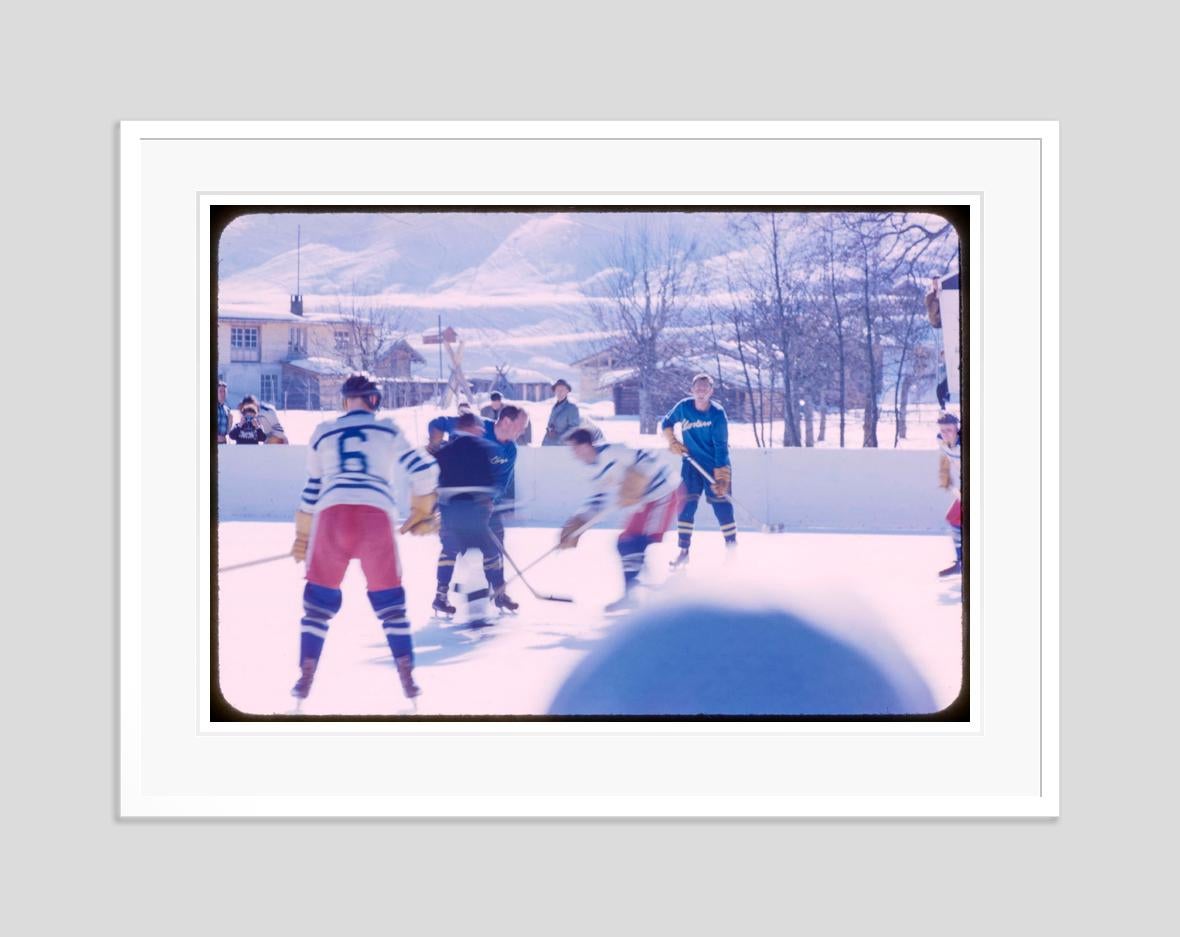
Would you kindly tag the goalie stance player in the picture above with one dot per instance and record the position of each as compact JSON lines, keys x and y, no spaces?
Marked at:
{"x":639,"y":480}
{"x":347,"y":512}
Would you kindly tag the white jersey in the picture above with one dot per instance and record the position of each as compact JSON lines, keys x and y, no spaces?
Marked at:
{"x":952,"y":456}
{"x":352,"y":460}
{"x":659,"y":468}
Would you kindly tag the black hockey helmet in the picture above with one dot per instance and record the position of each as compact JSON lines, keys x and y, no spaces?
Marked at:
{"x":362,"y":385}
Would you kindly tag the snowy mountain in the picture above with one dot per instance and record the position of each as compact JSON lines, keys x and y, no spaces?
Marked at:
{"x":514,"y":283}
{"x":494,"y":269}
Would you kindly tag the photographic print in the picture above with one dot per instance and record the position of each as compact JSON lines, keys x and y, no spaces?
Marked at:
{"x":589,"y":463}
{"x":641,"y":461}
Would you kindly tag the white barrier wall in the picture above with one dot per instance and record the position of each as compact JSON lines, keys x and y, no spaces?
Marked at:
{"x":862,"y":490}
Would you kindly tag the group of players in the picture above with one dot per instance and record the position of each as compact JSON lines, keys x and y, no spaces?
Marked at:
{"x":458,"y":488}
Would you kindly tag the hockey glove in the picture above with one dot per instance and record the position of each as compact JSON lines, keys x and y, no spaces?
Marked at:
{"x":944,"y":472}
{"x":423,"y":517}
{"x":722,"y":475}
{"x":673,"y":443}
{"x":302,"y":534}
{"x":572,"y":531}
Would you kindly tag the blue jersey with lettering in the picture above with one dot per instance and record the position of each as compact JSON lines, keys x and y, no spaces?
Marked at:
{"x":705,"y":434}
{"x":465,"y":467}
{"x":352,"y":460}
{"x":503,"y":453}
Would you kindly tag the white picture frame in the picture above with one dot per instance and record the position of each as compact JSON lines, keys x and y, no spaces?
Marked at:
{"x":1003,"y":762}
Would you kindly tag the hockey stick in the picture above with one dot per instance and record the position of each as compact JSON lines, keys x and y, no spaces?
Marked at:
{"x":766,"y":528}
{"x":265,"y":559}
{"x":520,"y":575}
{"x":520,"y":572}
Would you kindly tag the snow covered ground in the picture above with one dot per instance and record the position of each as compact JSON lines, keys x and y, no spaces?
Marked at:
{"x":923,"y":431}
{"x":869,"y":590}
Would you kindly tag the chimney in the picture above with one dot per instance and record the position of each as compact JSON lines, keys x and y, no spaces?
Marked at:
{"x":297,"y":296}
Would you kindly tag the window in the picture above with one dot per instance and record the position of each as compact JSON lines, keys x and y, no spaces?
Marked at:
{"x":342,"y":341}
{"x":297,"y":340}
{"x":243,"y":344}
{"x":270,"y":389}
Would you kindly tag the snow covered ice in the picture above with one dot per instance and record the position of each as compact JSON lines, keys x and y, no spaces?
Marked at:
{"x":872,"y":591}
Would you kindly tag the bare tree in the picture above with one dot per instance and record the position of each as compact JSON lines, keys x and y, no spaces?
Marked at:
{"x":866,"y":231}
{"x":765,"y":270}
{"x":907,"y":237}
{"x":367,"y":332}
{"x":831,"y":252}
{"x":904,"y":325}
{"x":646,"y":290}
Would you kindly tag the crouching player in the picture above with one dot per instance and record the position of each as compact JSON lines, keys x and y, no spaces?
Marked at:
{"x":641,"y":481}
{"x":347,"y":512}
{"x":466,"y":486}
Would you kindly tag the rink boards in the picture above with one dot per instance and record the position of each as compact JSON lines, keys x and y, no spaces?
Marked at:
{"x":847,"y":490}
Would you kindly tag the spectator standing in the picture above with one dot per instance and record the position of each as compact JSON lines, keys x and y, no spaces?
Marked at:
{"x":268,"y":419}
{"x":222,"y":417}
{"x":563,"y":417}
{"x":248,"y":431}
{"x":495,"y":405}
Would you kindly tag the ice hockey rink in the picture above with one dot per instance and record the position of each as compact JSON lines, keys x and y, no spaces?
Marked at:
{"x":868,"y":590}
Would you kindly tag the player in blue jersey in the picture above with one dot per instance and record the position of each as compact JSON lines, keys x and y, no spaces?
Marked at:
{"x":640,"y":481}
{"x":502,"y":434}
{"x":347,"y":512}
{"x":466,"y":486}
{"x":705,"y":433}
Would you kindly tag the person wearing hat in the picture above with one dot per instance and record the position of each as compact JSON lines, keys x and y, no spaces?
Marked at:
{"x":222,"y":417}
{"x":563,"y":417}
{"x":949,"y":478}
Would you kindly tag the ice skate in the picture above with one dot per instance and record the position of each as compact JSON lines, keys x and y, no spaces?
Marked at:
{"x":681,"y":560}
{"x":442,"y":608}
{"x":627,"y":602}
{"x":303,"y":685}
{"x":505,"y":603}
{"x":405,"y":673}
{"x":954,"y":569}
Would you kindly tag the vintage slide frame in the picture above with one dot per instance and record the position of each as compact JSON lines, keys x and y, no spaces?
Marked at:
{"x":1003,"y":762}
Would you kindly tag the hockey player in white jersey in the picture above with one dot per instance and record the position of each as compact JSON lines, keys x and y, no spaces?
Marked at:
{"x":642,"y":481}
{"x":949,"y":475}
{"x":347,"y":512}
